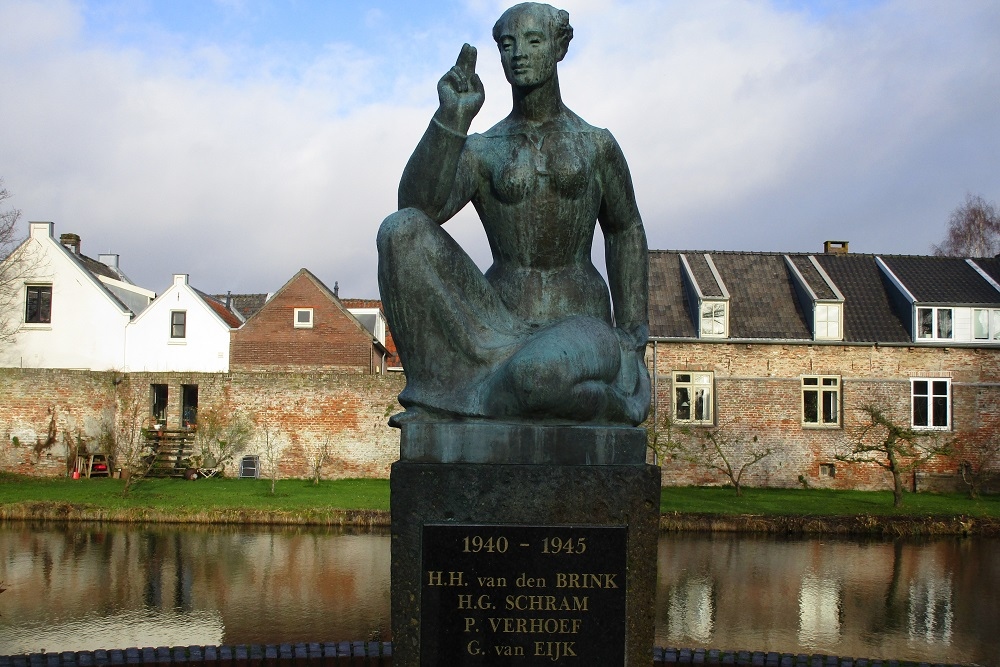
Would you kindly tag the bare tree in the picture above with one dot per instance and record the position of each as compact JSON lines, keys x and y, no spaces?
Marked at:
{"x":882,"y":440}
{"x":11,"y":265}
{"x":320,"y":457}
{"x":222,"y":433}
{"x":723,"y":448}
{"x":980,"y":463}
{"x":973,"y":230}
{"x":270,"y":440}
{"x":124,"y":439}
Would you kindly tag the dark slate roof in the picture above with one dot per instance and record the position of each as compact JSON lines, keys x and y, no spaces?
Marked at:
{"x":812,"y":277}
{"x":945,"y":280}
{"x":868,"y":313}
{"x":246,"y":305}
{"x":990,"y":266}
{"x":669,"y":313}
{"x":707,"y":283}
{"x":763,"y":303}
{"x":98,"y":268}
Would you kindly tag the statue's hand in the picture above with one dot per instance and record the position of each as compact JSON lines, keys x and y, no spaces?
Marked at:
{"x":460,"y":92}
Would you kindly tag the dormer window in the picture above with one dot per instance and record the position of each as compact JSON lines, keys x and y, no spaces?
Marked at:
{"x":934,"y":324}
{"x":303,"y":318}
{"x":827,"y":321}
{"x":713,"y":319}
{"x":986,"y":324}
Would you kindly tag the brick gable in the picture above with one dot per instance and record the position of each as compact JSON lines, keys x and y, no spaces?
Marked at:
{"x":336,"y":341}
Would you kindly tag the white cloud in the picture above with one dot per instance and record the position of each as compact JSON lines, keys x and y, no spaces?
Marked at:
{"x":745,"y":128}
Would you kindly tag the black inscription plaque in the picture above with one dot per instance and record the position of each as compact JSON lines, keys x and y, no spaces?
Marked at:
{"x":522,"y":595}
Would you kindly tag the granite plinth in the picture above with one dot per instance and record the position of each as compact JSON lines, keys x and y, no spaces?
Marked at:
{"x":537,"y":506}
{"x":492,"y":442}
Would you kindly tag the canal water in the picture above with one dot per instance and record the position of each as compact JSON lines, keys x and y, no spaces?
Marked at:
{"x":73,"y":587}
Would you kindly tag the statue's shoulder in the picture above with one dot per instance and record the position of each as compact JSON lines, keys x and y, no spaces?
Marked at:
{"x":568,"y":122}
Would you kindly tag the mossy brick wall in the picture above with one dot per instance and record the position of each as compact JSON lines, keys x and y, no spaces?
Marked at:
{"x":48,"y":411}
{"x":268,"y":341}
{"x":758,"y":392}
{"x":303,"y":412}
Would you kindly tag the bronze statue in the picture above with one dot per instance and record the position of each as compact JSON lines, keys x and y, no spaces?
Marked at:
{"x":534,"y":339}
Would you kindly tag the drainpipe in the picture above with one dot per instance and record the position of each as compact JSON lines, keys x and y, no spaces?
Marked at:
{"x":656,"y":402}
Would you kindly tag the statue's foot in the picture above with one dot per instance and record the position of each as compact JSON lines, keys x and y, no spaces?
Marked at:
{"x":416,"y":414}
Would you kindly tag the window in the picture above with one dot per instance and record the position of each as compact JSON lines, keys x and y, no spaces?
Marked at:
{"x":189,"y":405}
{"x":985,"y":324}
{"x":713,"y":319}
{"x":158,"y":403}
{"x":178,"y":324}
{"x":38,"y":304}
{"x":821,"y":400}
{"x":827,"y":321}
{"x":934,"y":323}
{"x":693,"y":397}
{"x":931,"y":401}
{"x":827,"y":470}
{"x":303,"y":318}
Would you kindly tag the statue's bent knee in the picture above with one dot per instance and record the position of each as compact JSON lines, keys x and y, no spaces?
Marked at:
{"x":403,"y":226}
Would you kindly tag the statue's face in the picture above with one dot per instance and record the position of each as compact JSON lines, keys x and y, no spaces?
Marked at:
{"x":528,"y":50}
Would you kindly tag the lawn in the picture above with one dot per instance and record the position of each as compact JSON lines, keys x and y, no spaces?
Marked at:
{"x":294,"y":496}
{"x":204,"y":496}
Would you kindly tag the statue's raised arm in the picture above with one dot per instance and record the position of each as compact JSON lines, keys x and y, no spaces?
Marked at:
{"x":538,"y":338}
{"x":430,"y":172}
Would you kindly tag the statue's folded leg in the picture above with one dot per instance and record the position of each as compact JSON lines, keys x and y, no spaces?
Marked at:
{"x":580,"y":369}
{"x":449,"y":325}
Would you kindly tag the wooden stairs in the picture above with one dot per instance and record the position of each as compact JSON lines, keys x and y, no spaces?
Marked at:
{"x":172,"y":451}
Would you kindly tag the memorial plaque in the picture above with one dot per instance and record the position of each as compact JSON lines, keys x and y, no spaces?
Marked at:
{"x":522,"y":595}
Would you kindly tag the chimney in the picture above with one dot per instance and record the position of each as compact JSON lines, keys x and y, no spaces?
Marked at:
{"x":336,"y":288}
{"x":71,"y":241}
{"x":109,"y":260}
{"x":835,"y":247}
{"x":229,"y":299}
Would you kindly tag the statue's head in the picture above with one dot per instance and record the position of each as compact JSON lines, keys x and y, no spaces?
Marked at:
{"x":532,"y":38}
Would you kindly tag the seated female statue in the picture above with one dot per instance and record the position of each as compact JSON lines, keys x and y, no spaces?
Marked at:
{"x":536,"y":339}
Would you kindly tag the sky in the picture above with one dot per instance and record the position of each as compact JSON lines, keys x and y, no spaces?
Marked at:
{"x":238,"y":141}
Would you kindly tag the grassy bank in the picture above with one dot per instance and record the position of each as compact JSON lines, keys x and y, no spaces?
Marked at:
{"x":366,"y":502}
{"x":342,"y":502}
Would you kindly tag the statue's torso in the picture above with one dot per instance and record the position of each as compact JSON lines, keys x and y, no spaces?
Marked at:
{"x":538,"y":196}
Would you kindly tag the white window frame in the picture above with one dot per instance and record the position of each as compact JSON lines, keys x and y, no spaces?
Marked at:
{"x":828,"y":321}
{"x":934,"y":395}
{"x":992,"y":323}
{"x":182,"y":324}
{"x":937,"y":322}
{"x":824,"y":387}
{"x":714,"y":323}
{"x":298,"y":323}
{"x":690,"y":381}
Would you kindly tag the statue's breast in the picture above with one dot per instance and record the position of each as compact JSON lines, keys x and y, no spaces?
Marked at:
{"x":559,"y":163}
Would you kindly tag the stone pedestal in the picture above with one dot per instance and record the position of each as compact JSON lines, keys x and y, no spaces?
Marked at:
{"x":523,"y":545}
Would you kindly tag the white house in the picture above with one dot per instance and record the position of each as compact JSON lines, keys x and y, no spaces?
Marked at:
{"x":182,"y":330}
{"x":68,"y":310}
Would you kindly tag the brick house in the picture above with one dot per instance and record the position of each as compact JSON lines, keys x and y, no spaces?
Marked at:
{"x":790,"y":346}
{"x":304,"y":326}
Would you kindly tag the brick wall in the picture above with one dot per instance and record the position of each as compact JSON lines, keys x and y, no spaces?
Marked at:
{"x":268,"y":341}
{"x":302,"y":411}
{"x":758,"y":392}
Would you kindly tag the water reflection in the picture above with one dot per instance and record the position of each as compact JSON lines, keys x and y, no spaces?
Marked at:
{"x":79,"y":587}
{"x":932,"y":600}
